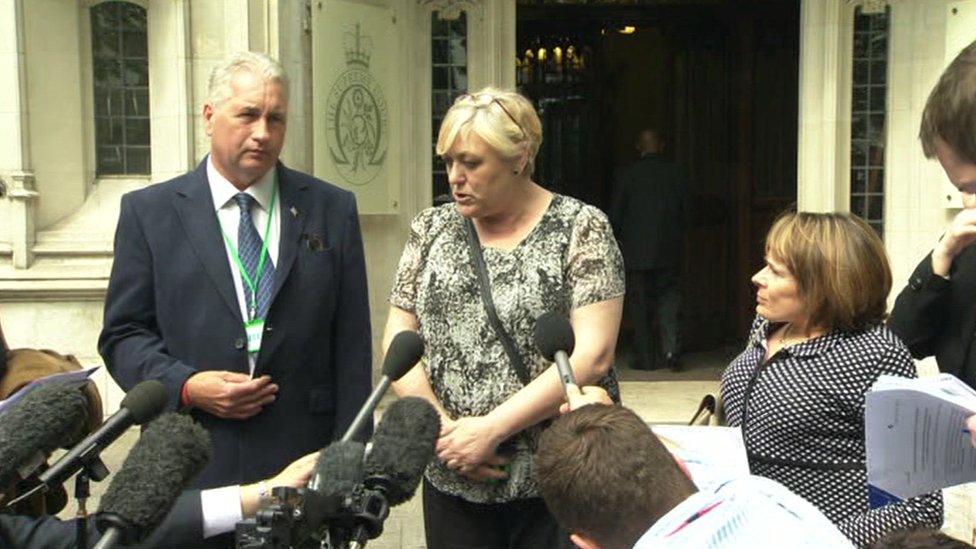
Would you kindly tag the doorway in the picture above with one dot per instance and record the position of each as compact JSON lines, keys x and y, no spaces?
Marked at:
{"x":719,"y":79}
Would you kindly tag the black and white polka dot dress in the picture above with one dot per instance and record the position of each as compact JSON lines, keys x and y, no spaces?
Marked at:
{"x":802,"y":418}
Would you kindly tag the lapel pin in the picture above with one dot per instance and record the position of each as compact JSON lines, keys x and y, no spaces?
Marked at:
{"x":294,"y":212}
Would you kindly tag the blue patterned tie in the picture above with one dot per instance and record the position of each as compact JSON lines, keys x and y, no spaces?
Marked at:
{"x":249,"y":247}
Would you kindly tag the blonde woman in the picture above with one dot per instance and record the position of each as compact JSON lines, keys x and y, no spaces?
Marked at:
{"x":817,"y":345}
{"x":541,"y":252}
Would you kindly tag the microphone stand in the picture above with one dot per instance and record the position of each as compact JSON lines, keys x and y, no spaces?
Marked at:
{"x":93,"y":469}
{"x":82,"y":486}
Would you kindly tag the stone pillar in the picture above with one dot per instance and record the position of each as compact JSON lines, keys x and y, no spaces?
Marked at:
{"x":15,"y":163}
{"x":823,"y":162}
{"x":170,"y":96}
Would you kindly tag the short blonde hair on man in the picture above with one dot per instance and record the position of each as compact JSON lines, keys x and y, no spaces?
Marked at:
{"x":219,"y":90}
{"x":839,"y":264}
{"x":506,"y":121}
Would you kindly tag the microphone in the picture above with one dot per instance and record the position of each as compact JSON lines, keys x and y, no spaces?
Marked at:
{"x":338,"y":471}
{"x":47,"y":418}
{"x":171,"y":451}
{"x":403,"y":445}
{"x":555,"y":340}
{"x":144,"y":402}
{"x":405,"y":350}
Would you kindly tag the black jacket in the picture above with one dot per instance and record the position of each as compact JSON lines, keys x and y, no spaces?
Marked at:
{"x":183,"y":528}
{"x":648,"y":213}
{"x":935,"y":316}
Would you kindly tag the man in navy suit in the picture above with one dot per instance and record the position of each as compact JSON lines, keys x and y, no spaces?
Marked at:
{"x":242,"y":287}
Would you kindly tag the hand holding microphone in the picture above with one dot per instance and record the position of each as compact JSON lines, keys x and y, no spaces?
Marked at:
{"x":584,"y":396}
{"x":555,"y":339}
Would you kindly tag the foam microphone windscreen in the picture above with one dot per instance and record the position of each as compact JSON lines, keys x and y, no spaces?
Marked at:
{"x":553,"y":333}
{"x":145,"y":401}
{"x":403,"y":445}
{"x":339,"y":469}
{"x":405,"y":350}
{"x":171,"y":451}
{"x":45,"y":419}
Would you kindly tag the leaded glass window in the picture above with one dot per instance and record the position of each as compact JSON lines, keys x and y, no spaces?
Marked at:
{"x":869,"y":116}
{"x":449,"y":78}
{"x":120,"y":69}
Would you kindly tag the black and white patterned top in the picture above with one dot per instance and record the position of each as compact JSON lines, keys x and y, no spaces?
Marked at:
{"x":570,"y":259}
{"x":802,"y":418}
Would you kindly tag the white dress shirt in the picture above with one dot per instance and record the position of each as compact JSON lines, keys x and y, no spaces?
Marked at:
{"x":228,"y":214}
{"x":222,"y":506}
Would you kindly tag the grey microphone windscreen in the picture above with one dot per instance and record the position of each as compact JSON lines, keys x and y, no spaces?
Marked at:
{"x":45,"y":419}
{"x":339,"y":468}
{"x":403,"y":445}
{"x":145,"y":401}
{"x":171,"y":451}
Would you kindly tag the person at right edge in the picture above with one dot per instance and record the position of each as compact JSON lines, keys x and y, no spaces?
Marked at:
{"x":936,"y":313}
{"x":493,"y":389}
{"x":648,"y":213}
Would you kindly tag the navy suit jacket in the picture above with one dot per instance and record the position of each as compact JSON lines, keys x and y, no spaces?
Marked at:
{"x":183,"y":527}
{"x":171,"y":310}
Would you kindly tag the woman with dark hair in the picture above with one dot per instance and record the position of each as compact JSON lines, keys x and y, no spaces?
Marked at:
{"x":817,"y":345}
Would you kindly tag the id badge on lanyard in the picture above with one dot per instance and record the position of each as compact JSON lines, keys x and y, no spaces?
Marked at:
{"x":254,"y":330}
{"x":254,"y":326}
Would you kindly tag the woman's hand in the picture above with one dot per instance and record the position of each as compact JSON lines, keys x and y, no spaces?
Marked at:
{"x":467,"y":442}
{"x":490,"y":471}
{"x":581,"y":396}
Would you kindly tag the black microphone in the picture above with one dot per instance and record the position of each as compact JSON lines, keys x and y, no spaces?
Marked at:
{"x":405,"y":350}
{"x":338,"y":471}
{"x":45,"y":419}
{"x":171,"y":451}
{"x":555,"y":340}
{"x":403,"y":445}
{"x":144,"y":402}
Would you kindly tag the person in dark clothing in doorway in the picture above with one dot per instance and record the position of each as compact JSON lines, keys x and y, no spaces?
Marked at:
{"x":648,"y":214}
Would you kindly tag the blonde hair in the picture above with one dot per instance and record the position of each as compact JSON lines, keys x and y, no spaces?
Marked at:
{"x":219,"y":89}
{"x":839,"y":264}
{"x":506,"y":121}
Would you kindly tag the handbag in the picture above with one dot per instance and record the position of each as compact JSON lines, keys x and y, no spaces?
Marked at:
{"x":484,"y":285}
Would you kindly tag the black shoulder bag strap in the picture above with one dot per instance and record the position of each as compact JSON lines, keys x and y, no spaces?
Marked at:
{"x":478,"y":262}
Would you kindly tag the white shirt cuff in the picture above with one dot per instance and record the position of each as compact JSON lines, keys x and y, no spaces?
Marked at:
{"x":221,"y":510}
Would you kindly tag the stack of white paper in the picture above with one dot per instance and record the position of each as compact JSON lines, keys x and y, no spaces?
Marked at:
{"x":713,"y":455}
{"x":916,"y":435}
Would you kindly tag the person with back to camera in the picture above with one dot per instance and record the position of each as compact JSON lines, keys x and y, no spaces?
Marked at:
{"x":493,"y":389}
{"x":817,"y":345}
{"x":610,"y":481}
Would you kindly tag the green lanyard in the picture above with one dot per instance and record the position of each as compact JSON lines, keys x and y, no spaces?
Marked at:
{"x":253,"y":285}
